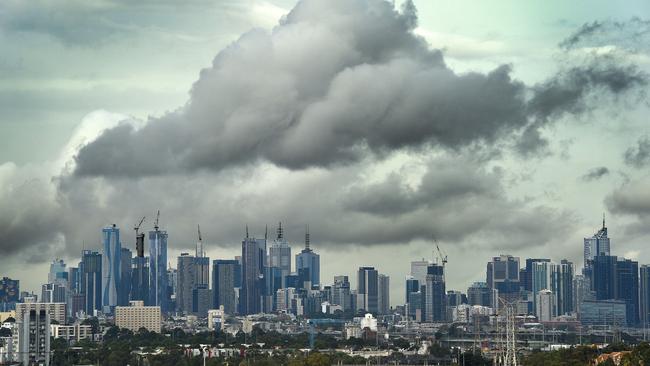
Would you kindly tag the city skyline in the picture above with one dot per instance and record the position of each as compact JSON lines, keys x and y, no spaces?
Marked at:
{"x":382,"y":125}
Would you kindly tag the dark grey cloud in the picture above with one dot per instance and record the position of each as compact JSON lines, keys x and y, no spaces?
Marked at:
{"x":638,"y":156}
{"x":595,"y":174}
{"x":633,"y":35}
{"x":280,"y":98}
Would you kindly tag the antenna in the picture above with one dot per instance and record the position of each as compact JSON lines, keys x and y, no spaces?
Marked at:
{"x":280,"y":231}
{"x":603,"y":220}
{"x":199,"y":244}
{"x":155,"y":225}
{"x":246,"y":231}
{"x":307,"y":237}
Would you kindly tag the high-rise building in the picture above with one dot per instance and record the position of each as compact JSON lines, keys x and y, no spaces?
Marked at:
{"x":280,"y":254}
{"x":341,"y":293}
{"x":603,"y":277}
{"x":596,"y":245}
{"x":383,"y":294}
{"x":562,"y":286}
{"x":644,"y":296}
{"x":53,"y":292}
{"x":308,"y":265}
{"x":34,"y":336}
{"x":111,"y":267}
{"x":224,"y":281}
{"x":201,"y":300}
{"x":527,"y":281}
{"x":479,"y":294}
{"x":126,"y":272}
{"x":627,"y":288}
{"x":253,"y":262}
{"x":368,"y":289}
{"x":545,"y":305}
{"x":91,"y":280}
{"x":541,"y":278}
{"x":58,"y":273}
{"x":9,"y":293}
{"x":503,"y":275}
{"x":435,"y":303}
{"x":158,"y":282}
{"x":193,"y":274}
{"x":419,"y":270}
{"x":56,"y":310}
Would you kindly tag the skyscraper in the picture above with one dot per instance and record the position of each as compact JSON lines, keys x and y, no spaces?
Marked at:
{"x":34,"y":337}
{"x":541,"y":278}
{"x":527,"y":281}
{"x":280,"y":254}
{"x":368,"y":289}
{"x":545,"y":305}
{"x":58,"y":273}
{"x":596,"y":245}
{"x":603,"y":277}
{"x":419,"y":270}
{"x":384,"y":294}
{"x":435,"y":303}
{"x":308,"y":264}
{"x":644,"y":296}
{"x":9,"y":293}
{"x":503,"y":275}
{"x":140,"y":272}
{"x":627,"y":288}
{"x":253,"y":262}
{"x":111,"y":267}
{"x":91,"y":280}
{"x":53,"y":292}
{"x":158,"y":284}
{"x":341,"y":292}
{"x":124,"y":290}
{"x":479,"y":294}
{"x":186,"y":282}
{"x":562,"y":286}
{"x":224,"y":281}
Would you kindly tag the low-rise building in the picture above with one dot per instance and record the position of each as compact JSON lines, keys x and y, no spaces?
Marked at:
{"x":72,"y":333}
{"x":138,"y":316}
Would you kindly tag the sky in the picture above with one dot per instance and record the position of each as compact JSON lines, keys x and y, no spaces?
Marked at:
{"x":493,"y":128}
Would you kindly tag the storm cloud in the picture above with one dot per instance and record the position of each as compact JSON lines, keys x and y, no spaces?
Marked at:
{"x":638,"y":156}
{"x":334,"y":82}
{"x":595,"y":174}
{"x":632,"y":35}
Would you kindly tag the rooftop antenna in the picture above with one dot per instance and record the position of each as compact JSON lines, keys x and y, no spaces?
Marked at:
{"x":155,"y":225}
{"x":266,"y":232}
{"x":603,"y":220}
{"x":307,"y":237}
{"x":246,"y":231}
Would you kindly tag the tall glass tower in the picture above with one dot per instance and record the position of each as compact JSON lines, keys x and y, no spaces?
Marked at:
{"x":308,"y":264}
{"x":598,"y":244}
{"x":253,"y":255}
{"x":158,"y":284}
{"x":111,"y":268}
{"x":280,"y":255}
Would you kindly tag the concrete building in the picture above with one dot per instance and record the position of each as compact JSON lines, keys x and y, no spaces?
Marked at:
{"x":644,"y":296}
{"x":71,"y":333}
{"x":253,"y":262}
{"x":158,"y":280}
{"x":33,"y":335}
{"x":383,"y":294}
{"x":435,"y":303}
{"x":419,"y":270}
{"x":56,"y":311}
{"x":225,"y":273}
{"x":216,"y":319}
{"x":368,"y":289}
{"x":91,"y":281}
{"x":545,"y":306}
{"x":138,"y":316}
{"x":280,"y":255}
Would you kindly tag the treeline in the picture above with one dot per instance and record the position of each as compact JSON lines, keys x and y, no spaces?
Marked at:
{"x":585,"y":355}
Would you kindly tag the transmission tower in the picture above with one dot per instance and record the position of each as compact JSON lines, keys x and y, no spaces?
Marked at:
{"x":507,"y":353}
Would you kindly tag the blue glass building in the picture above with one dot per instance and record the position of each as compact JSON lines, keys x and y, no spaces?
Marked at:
{"x":158,"y":283}
{"x":111,"y":267}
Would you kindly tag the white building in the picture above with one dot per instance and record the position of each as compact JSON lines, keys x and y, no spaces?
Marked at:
{"x":369,"y":321}
{"x":33,"y":336}
{"x":138,"y":316}
{"x":216,"y":318}
{"x":56,"y":310}
{"x":545,"y":305}
{"x":72,"y":333}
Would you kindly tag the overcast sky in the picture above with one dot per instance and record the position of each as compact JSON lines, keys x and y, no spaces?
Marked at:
{"x":497,"y":128}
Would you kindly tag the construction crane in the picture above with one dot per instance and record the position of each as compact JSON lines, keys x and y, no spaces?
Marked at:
{"x":155,"y":225}
{"x":442,"y":257}
{"x":137,"y":227}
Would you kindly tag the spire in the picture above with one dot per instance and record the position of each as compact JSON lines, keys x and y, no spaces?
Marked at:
{"x":246,"y":231}
{"x":280,"y":231}
{"x":604,"y":220}
{"x":266,"y":232}
{"x":307,"y":238}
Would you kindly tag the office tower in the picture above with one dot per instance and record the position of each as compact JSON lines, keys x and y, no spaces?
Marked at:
{"x":562,"y":286}
{"x":603,"y":277}
{"x":9,"y":293}
{"x":91,"y":281}
{"x":545,"y":305}
{"x":308,"y":265}
{"x":172,"y":288}
{"x":140,"y":271}
{"x":541,"y":278}
{"x":34,"y":336}
{"x":137,"y":315}
{"x":53,"y":292}
{"x":419,"y":270}
{"x":435,"y":303}
{"x":341,"y":293}
{"x":454,"y":298}
{"x":383,"y":286}
{"x":158,"y":282}
{"x":610,"y":313}
{"x":598,"y":244}
{"x":58,"y":272}
{"x":627,"y":288}
{"x":201,"y":300}
{"x":479,"y":294}
{"x":527,"y":281}
{"x":581,"y":291}
{"x":280,"y":254}
{"x":412,"y":287}
{"x":224,"y":281}
{"x":644,"y":296}
{"x":272,"y":282}
{"x":126,"y":272}
{"x":111,"y":267}
{"x":368,"y":289}
{"x":253,"y":262}
{"x":74,"y":280}
{"x":503,"y":275}
{"x":186,"y":282}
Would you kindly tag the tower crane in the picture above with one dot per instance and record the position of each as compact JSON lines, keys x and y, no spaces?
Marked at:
{"x":137,"y":227}
{"x":443,"y":257}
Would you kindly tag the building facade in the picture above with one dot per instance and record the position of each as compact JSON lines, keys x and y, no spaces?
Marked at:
{"x":111,"y":267}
